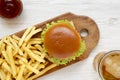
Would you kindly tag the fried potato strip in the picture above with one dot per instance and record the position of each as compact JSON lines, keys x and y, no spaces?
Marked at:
{"x":23,"y":58}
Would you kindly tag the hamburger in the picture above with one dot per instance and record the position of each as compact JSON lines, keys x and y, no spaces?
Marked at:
{"x":61,"y":42}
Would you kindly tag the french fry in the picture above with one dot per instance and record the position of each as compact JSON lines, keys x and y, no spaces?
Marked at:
{"x":8,"y":43}
{"x":10,"y":56}
{"x":42,"y":72}
{"x":35,"y":66}
{"x":35,"y":39}
{"x":15,"y":45}
{"x":5,"y":56}
{"x":19,"y":77}
{"x":36,"y":52}
{"x":34,"y":42}
{"x":32,"y":55}
{"x":15,"y":37}
{"x":8,"y":77}
{"x":24,"y":35}
{"x":41,"y":66}
{"x":22,"y":46}
{"x":1,"y":61}
{"x":23,"y":58}
{"x":3,"y":47}
{"x":39,"y":48}
{"x":6,"y":67}
{"x":31,"y":47}
{"x":2,"y":74}
{"x":32,"y":33}
{"x":32,"y":69}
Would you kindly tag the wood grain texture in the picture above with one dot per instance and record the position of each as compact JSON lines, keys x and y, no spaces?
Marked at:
{"x":81,"y":23}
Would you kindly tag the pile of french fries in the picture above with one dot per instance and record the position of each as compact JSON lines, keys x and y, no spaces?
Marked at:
{"x":23,"y":58}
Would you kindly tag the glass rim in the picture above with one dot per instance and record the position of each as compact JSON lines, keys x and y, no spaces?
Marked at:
{"x":101,"y":60}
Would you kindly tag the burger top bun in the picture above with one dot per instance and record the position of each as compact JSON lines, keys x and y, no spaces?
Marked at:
{"x":62,"y":41}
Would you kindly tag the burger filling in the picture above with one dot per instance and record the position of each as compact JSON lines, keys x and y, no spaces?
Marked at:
{"x":62,"y":42}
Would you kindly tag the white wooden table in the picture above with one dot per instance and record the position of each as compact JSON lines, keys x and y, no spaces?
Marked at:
{"x":106,"y":13}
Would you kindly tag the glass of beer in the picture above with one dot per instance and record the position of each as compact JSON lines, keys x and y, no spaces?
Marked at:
{"x":107,"y":65}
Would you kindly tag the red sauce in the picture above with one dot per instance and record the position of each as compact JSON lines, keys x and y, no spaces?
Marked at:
{"x":10,"y":8}
{"x":62,"y":41}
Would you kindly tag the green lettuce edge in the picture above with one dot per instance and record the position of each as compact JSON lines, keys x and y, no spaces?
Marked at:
{"x":67,"y":60}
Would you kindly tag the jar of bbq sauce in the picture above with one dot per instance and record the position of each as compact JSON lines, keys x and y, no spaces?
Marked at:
{"x":10,"y":8}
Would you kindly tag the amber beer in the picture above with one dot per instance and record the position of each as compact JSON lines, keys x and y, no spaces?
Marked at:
{"x":108,"y":65}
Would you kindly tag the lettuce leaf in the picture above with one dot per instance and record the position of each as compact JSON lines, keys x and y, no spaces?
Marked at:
{"x":66,"y":60}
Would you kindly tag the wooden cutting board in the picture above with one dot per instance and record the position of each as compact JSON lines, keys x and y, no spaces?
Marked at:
{"x":82,"y":23}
